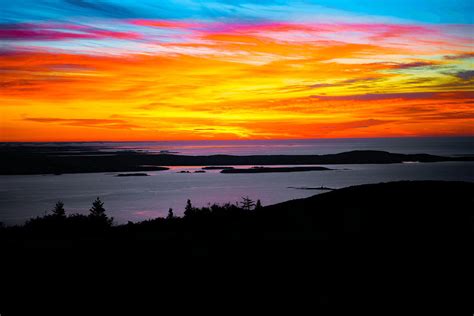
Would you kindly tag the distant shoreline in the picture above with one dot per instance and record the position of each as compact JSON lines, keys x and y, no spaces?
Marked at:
{"x":273,"y":169}
{"x":29,"y":161}
{"x":140,"y":174}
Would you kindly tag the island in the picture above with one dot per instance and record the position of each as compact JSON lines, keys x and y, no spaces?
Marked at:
{"x":274,"y":169}
{"x":132,"y":174}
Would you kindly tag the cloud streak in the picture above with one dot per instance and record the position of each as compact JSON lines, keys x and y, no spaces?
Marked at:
{"x":84,"y":122}
{"x":57,"y":32}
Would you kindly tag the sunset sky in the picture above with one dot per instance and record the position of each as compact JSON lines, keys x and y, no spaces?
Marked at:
{"x":77,"y":70}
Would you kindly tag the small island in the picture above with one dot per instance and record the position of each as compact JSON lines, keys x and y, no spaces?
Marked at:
{"x":274,"y":169}
{"x":139,"y":174}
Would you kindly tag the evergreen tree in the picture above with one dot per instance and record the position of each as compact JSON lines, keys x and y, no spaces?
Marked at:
{"x":170,"y":214}
{"x":58,"y":210}
{"x":247,"y":203}
{"x":189,"y":209}
{"x":258,"y":205}
{"x":97,"y":212}
{"x":97,"y":209}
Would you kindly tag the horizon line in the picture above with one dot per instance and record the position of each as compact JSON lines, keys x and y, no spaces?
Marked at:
{"x":234,"y":140}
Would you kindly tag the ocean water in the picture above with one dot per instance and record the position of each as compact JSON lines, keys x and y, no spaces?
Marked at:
{"x":450,"y":146}
{"x":140,"y":198}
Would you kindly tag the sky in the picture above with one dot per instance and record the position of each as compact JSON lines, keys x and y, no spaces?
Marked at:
{"x":124,"y":70}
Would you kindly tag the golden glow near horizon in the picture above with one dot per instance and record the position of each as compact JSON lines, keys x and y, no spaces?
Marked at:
{"x":157,"y":79}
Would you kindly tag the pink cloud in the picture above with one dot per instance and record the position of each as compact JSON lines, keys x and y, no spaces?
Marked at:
{"x":57,"y":32}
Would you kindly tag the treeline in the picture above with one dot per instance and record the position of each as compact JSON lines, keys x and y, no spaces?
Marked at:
{"x":405,"y":211}
{"x":98,"y":219}
{"x":59,"y":229}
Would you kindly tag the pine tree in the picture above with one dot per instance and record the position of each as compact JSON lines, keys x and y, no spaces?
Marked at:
{"x":97,"y":212}
{"x":247,"y":203}
{"x":58,"y":210}
{"x":97,"y":209}
{"x":258,"y":205}
{"x":189,"y":209}
{"x":170,"y":214}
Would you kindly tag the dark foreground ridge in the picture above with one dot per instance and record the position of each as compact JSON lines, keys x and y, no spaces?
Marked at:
{"x":397,"y":246}
{"x":28,"y":160}
{"x":375,"y":213}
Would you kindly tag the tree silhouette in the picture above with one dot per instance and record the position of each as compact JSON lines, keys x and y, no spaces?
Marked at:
{"x":258,"y":205}
{"x":58,"y":210}
{"x":189,"y":210}
{"x":170,"y":214}
{"x":97,"y":212}
{"x":247,"y":203}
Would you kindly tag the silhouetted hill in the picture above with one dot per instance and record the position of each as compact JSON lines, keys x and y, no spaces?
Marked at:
{"x":388,"y":212}
{"x":391,"y":211}
{"x":392,"y":246}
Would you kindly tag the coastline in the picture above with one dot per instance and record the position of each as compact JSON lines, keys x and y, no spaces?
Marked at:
{"x":30,"y":162}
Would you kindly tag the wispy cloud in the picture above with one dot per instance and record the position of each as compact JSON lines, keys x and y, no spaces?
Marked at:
{"x":84,"y":122}
{"x":56,"y":32}
{"x":379,"y":96}
{"x":416,"y":64}
{"x":460,"y":56}
{"x":465,"y":75}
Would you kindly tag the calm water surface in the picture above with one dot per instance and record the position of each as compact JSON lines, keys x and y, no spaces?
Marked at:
{"x":139,"y":198}
{"x":450,"y":146}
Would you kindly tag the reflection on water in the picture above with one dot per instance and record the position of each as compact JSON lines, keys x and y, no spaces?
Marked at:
{"x":138,"y":198}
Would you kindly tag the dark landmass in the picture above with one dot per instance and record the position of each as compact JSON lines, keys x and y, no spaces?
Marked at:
{"x":199,"y":171}
{"x":168,"y":152}
{"x":132,"y":175}
{"x":400,"y":245}
{"x":275,"y":169}
{"x":322,"y":188}
{"x":45,"y":160}
{"x":217,"y":168}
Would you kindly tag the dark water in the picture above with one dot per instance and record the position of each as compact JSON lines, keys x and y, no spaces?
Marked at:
{"x":139,"y":198}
